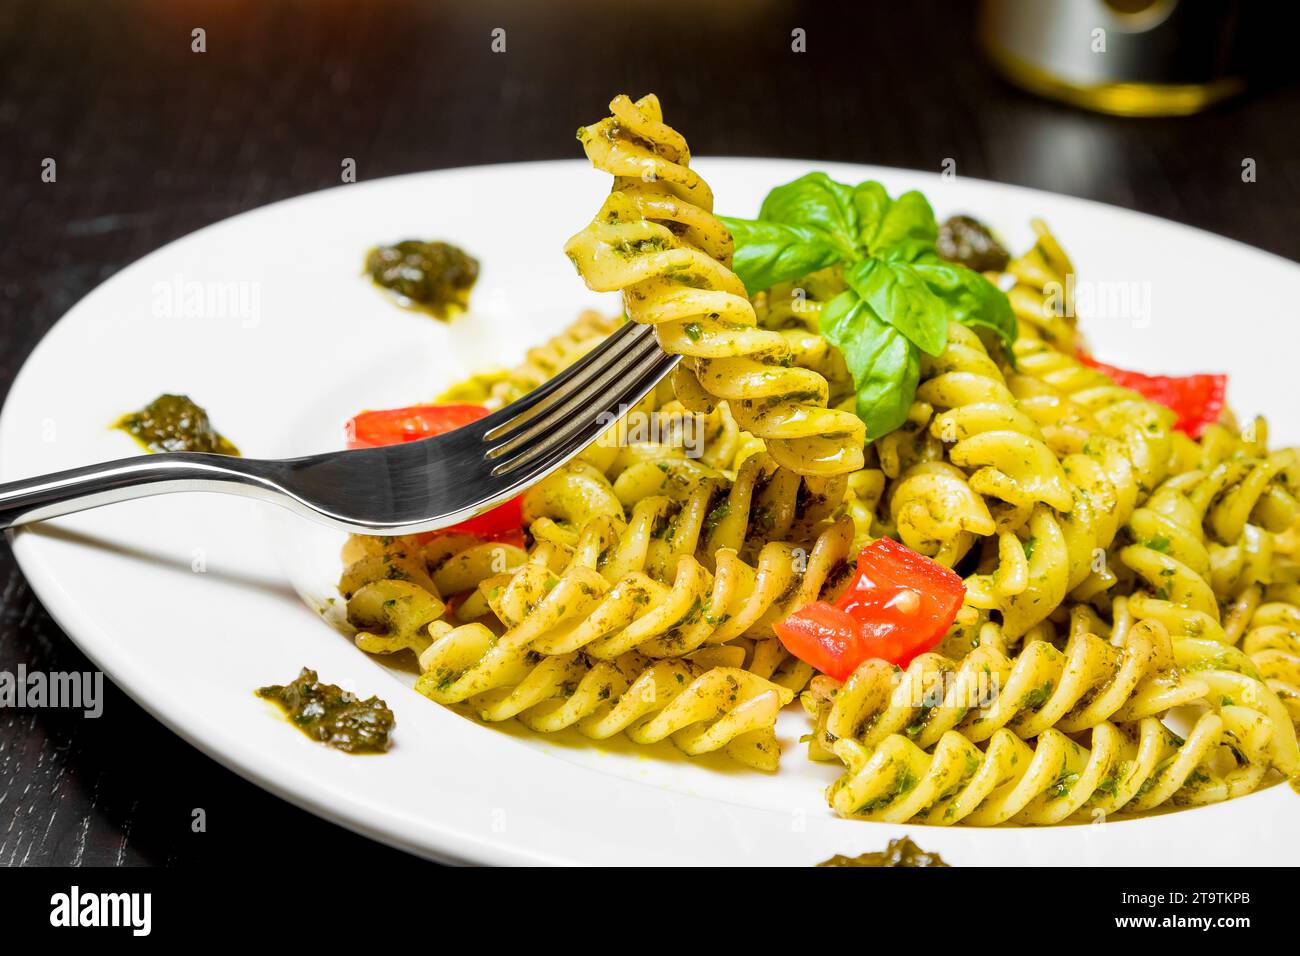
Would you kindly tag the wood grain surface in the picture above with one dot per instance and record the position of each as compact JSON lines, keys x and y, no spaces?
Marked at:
{"x":153,"y":141}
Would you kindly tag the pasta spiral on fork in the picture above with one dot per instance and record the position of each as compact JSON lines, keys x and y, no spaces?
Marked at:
{"x":657,"y":241}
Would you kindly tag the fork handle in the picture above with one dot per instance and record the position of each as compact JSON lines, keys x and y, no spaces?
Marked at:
{"x":64,"y":492}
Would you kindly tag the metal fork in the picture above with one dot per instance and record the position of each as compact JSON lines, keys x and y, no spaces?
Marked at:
{"x":401,"y":489}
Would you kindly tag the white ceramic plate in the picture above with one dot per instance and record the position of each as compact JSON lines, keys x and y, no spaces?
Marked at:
{"x":188,"y":602}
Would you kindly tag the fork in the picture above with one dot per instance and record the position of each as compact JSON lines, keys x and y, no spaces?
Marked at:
{"x":399,"y":489}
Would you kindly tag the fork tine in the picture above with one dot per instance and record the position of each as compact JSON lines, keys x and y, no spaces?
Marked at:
{"x":560,"y":443}
{"x":520,"y":412}
{"x":545,"y":458}
{"x":591,"y":394}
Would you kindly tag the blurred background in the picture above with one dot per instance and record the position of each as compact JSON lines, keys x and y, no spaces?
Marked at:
{"x":154,"y":139}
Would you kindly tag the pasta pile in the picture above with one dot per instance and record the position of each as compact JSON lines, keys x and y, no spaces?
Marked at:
{"x":644,"y":605}
{"x":1118,"y":572}
{"x":1128,"y":637}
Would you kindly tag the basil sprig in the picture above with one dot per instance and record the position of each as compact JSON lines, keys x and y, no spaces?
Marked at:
{"x":901,"y":293}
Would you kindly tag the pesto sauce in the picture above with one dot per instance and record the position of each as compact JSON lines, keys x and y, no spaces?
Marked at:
{"x":434,"y":277}
{"x":174,"y":423}
{"x":900,"y":852}
{"x":331,"y":715}
{"x":969,"y":242}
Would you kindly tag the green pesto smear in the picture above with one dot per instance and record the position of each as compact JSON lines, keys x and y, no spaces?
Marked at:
{"x":331,"y":715}
{"x":174,"y":423}
{"x":900,"y":852}
{"x":968,"y":241}
{"x":434,"y":277}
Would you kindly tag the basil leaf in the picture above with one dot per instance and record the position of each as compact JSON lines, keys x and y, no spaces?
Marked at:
{"x":969,"y":298}
{"x":901,"y":293}
{"x":871,"y":203}
{"x":908,"y":219}
{"x":898,"y":294}
{"x":886,"y":367}
{"x":818,"y":202}
{"x":771,"y":252}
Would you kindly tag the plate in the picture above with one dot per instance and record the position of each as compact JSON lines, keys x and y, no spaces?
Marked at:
{"x":188,"y":602}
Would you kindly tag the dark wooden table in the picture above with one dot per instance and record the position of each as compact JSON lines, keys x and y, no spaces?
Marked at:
{"x":153,"y":140}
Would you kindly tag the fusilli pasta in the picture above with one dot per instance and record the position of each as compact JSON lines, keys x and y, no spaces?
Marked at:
{"x":1128,"y":635}
{"x":657,"y":241}
{"x":1117,"y":567}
